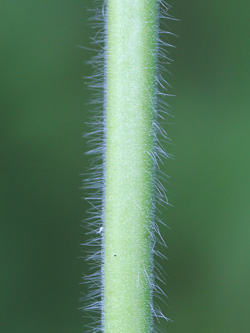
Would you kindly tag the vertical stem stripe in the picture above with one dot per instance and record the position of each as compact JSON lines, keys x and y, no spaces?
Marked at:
{"x":129,"y":168}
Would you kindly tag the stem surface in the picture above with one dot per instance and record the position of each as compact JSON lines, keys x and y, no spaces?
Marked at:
{"x":129,"y":168}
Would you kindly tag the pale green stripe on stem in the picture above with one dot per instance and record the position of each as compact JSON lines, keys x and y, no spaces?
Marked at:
{"x":129,"y":167}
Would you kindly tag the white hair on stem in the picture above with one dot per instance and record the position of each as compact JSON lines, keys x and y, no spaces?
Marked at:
{"x":94,"y":181}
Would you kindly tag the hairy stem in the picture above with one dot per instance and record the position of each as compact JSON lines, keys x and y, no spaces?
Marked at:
{"x":129,"y":166}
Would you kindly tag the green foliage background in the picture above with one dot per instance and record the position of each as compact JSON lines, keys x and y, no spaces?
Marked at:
{"x":42,"y":119}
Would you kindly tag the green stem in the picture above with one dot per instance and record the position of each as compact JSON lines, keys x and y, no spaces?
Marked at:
{"x":129,"y":166}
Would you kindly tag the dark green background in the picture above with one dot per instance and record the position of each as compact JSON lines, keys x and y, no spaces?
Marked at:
{"x":43,"y":109}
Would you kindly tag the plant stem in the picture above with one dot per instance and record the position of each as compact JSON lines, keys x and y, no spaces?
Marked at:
{"x":129,"y":165}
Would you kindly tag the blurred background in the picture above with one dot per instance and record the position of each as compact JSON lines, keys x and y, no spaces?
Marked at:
{"x":42,"y":114}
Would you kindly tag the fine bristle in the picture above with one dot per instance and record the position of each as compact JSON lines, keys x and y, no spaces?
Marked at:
{"x":94,"y":179}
